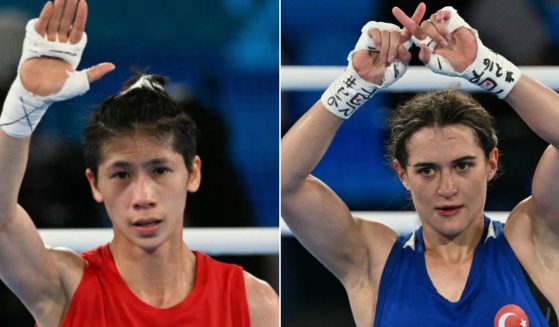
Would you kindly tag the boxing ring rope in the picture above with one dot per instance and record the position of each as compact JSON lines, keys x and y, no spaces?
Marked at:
{"x":401,"y":221}
{"x":416,"y":79}
{"x":213,"y":241}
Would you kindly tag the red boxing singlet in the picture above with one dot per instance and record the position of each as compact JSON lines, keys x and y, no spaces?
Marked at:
{"x":102,"y":299}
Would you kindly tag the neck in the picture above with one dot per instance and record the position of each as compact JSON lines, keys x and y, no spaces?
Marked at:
{"x":161,"y":277}
{"x":453,"y":248}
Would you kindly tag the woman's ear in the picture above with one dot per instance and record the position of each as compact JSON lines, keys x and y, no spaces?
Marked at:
{"x":195,"y":175}
{"x":402,"y":175}
{"x":93,"y":184}
{"x":492,"y":164}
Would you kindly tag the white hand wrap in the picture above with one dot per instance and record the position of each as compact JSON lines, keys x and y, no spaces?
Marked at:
{"x":23,"y":110}
{"x":490,"y":71}
{"x":35,"y":46}
{"x":349,"y":91}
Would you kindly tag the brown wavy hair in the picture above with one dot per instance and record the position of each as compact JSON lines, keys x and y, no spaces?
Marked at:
{"x":439,"y":109}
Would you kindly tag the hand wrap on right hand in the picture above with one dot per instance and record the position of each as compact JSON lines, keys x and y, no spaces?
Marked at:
{"x":349,"y":91}
{"x":22,"y":109}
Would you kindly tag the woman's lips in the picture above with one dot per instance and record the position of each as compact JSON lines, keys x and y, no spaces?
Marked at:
{"x":448,"y":211}
{"x":147,"y":226}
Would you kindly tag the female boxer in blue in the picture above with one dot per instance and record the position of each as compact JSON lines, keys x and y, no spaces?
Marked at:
{"x":460,"y":268}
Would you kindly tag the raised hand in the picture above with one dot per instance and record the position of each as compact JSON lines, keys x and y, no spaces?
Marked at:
{"x":63,"y":21}
{"x":449,"y":46}
{"x":459,"y":47}
{"x":388,"y":46}
{"x":378,"y":60}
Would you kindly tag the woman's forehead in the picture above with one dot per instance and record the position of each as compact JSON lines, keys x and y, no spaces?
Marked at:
{"x":442,"y":142}
{"x":136,"y":146}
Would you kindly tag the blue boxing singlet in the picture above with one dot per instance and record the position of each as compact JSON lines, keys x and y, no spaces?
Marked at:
{"x":496,"y":292}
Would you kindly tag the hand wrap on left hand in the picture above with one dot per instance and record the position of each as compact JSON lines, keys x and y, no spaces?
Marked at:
{"x":490,"y":70}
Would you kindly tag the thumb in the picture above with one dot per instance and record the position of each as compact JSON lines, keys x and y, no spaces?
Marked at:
{"x":98,"y":71}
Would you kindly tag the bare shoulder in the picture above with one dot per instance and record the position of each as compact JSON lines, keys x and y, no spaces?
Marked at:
{"x":379,"y":234}
{"x":518,"y":231}
{"x":263,"y":302}
{"x":71,"y":267}
{"x":519,"y":225}
{"x":528,"y":226}
{"x":362,"y":291}
{"x":379,"y":239}
{"x":536,"y":248}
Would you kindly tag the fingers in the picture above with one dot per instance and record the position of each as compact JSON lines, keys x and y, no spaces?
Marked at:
{"x":438,"y":20}
{"x":375,"y":34}
{"x":403,"y":54}
{"x":442,"y":15}
{"x":386,"y":43}
{"x":54,"y":21}
{"x":66,"y":20}
{"x":79,"y":23}
{"x":424,"y":54}
{"x":436,"y":27}
{"x":416,"y":17}
{"x":58,"y":20}
{"x":394,"y":37}
{"x":98,"y":71}
{"x":44,"y":17}
{"x":419,"y":13}
{"x":431,"y":30}
{"x":411,"y":26}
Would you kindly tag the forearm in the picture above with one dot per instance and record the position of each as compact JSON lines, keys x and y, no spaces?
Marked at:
{"x":13,"y":160}
{"x":305,"y":144}
{"x":366,"y":73}
{"x":538,"y":106}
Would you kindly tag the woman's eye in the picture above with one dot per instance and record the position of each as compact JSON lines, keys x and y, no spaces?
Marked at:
{"x":160,"y":171}
{"x":463,"y":166}
{"x":426,"y":171}
{"x":120,"y":175}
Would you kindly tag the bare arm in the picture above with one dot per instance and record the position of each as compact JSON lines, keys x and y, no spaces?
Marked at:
{"x":315,"y":214}
{"x":263,"y":302}
{"x":533,"y":227}
{"x":29,"y":269}
{"x":538,"y":106}
{"x":22,"y":253}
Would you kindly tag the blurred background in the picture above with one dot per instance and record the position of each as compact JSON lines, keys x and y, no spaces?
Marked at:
{"x":323,"y":32}
{"x":221,"y":57}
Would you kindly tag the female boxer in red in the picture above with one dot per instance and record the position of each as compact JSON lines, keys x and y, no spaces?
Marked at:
{"x":140,"y":152}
